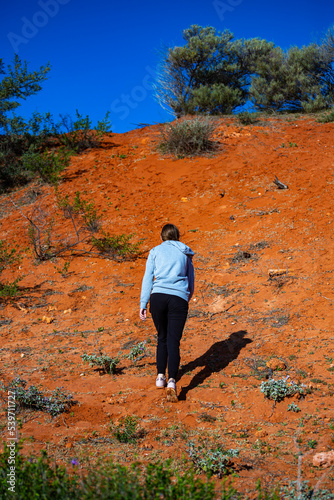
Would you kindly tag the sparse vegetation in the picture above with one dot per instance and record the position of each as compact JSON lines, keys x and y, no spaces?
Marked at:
{"x":31,"y":397}
{"x":39,"y":145}
{"x":128,"y":431}
{"x":105,"y":363}
{"x":279,"y":389}
{"x":247,"y":118}
{"x":48,"y":164}
{"x":138,"y":351}
{"x":188,"y":137}
{"x":328,"y":118}
{"x":117,"y":247}
{"x":40,"y":478}
{"x":9,"y":256}
{"x":210,"y":460}
{"x":293,"y":407}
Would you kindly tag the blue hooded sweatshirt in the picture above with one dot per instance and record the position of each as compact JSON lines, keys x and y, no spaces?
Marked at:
{"x":170,"y":264}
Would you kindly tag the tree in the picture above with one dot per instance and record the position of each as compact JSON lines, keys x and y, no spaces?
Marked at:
{"x":16,"y":85}
{"x":206,"y":66}
{"x":290,"y":81}
{"x":215,"y":74}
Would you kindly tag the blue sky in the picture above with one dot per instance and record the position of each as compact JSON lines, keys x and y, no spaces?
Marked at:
{"x":104,"y":53}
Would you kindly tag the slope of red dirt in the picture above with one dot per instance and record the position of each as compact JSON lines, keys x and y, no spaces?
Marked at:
{"x":240,"y":226}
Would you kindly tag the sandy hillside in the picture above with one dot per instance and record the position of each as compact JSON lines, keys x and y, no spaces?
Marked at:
{"x":263,"y":305}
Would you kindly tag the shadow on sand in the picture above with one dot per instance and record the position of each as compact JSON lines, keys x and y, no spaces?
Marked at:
{"x":215,"y":359}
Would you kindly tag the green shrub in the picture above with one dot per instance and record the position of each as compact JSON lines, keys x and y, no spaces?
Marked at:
{"x":247,"y":118}
{"x":41,"y":478}
{"x":279,"y":389}
{"x":128,"y":430}
{"x":32,"y":397}
{"x":48,"y":164}
{"x":293,"y":407}
{"x":10,"y":289}
{"x":117,"y":247}
{"x":303,"y":491}
{"x":27,"y":147}
{"x":328,"y":118}
{"x":85,"y":209}
{"x":138,"y":351}
{"x":211,"y":460}
{"x":188,"y":137}
{"x":79,"y":134}
{"x":105,"y":363}
{"x":9,"y":256}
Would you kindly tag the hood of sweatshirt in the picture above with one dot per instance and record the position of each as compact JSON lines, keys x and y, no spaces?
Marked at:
{"x":180,"y":246}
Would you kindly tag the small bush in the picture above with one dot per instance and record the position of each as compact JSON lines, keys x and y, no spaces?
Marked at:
{"x":327,"y":118}
{"x":32,"y":397}
{"x":128,"y":431}
{"x":83,"y":208}
{"x":48,"y":164}
{"x":10,"y":289}
{"x":105,"y":363}
{"x":9,"y":256}
{"x":25,"y":146}
{"x":247,"y":118}
{"x":293,"y":407}
{"x":79,"y":134}
{"x":279,"y":389}
{"x":137,"y":352}
{"x":211,"y":461}
{"x":188,"y":137}
{"x":117,"y":247}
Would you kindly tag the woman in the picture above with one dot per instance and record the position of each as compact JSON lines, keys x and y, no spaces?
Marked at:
{"x":169,"y":281}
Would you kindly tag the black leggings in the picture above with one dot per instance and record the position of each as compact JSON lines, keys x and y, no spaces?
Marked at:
{"x":169,"y":314}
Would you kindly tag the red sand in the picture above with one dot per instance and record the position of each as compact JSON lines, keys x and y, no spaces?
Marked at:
{"x":252,"y":318}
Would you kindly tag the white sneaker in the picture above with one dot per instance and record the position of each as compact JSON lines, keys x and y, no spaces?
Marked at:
{"x":161,"y":381}
{"x":171,"y":391}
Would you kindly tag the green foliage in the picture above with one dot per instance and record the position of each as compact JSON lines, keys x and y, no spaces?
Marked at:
{"x":32,"y":397}
{"x":247,"y":118}
{"x":213,"y":73}
{"x":18,"y":84}
{"x":80,"y":207}
{"x":117,"y":247}
{"x":127,"y":430}
{"x":291,"y":81}
{"x":211,"y":460}
{"x":209,"y":74}
{"x":27,"y":146}
{"x":302,"y":491}
{"x":41,"y":478}
{"x":48,"y":164}
{"x":138,"y":351}
{"x":105,"y":363}
{"x":10,"y":289}
{"x":293,"y":407}
{"x":327,"y":118}
{"x":9,"y":256}
{"x":188,"y":137}
{"x":279,"y":389}
{"x":63,"y":271}
{"x":79,"y":134}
